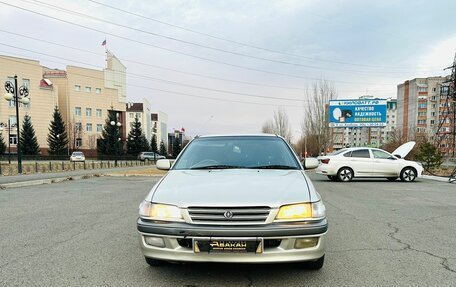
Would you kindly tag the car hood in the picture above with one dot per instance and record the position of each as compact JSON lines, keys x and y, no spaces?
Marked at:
{"x":232,"y":187}
{"x":404,"y":149}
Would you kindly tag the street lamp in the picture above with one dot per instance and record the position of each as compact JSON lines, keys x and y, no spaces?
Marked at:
{"x":116,"y":125}
{"x":18,"y":95}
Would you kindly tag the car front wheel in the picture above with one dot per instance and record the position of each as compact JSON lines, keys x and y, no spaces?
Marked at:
{"x":345,"y":174}
{"x":315,"y":265}
{"x":408,"y":174}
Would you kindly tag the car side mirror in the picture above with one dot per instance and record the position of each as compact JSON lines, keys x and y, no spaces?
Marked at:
{"x":310,"y":163}
{"x":164,"y":164}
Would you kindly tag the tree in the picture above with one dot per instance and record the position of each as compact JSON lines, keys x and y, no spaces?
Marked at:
{"x":28,"y":142}
{"x":163,"y":149}
{"x":153,"y":144}
{"x":279,"y":125}
{"x":109,"y":143}
{"x":2,"y":145}
{"x":429,"y":155}
{"x":57,"y":138}
{"x":315,"y":122}
{"x":137,"y":141}
{"x":176,"y":147}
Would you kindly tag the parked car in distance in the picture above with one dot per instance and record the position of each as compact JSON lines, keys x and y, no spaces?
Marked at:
{"x":149,"y":155}
{"x":234,"y":199}
{"x":346,"y":164}
{"x":77,"y":156}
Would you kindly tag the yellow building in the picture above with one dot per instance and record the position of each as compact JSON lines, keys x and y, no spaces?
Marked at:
{"x":84,"y":97}
{"x":42,"y":94}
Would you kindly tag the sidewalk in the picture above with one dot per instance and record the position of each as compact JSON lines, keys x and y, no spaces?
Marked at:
{"x":57,"y":175}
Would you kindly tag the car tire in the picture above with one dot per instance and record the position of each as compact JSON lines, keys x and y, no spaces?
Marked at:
{"x":315,"y":265}
{"x":391,"y":178}
{"x":408,"y":174}
{"x":345,"y":174}
{"x":332,"y":177}
{"x":154,"y":262}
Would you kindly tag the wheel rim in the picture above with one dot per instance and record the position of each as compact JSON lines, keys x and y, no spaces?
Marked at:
{"x":409,"y":175}
{"x":345,"y":175}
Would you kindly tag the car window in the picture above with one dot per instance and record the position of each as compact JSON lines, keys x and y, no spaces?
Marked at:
{"x":347,"y":154}
{"x":338,"y":151}
{"x":380,"y":154}
{"x":364,"y":153}
{"x":238,"y":152}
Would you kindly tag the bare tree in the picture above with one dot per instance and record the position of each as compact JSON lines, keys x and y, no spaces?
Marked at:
{"x":315,"y":122}
{"x":279,"y":125}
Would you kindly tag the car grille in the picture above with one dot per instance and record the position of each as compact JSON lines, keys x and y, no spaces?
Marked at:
{"x":229,"y":215}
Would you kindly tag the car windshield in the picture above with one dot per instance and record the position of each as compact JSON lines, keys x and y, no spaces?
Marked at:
{"x":237,"y":152}
{"x":78,"y":153}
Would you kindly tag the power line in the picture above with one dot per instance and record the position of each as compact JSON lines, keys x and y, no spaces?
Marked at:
{"x":237,"y":42}
{"x":182,"y":53}
{"x":164,"y":68}
{"x":166,"y":91}
{"x":62,"y":9}
{"x":158,"y":79}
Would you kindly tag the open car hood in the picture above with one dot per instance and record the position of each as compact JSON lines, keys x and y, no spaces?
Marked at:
{"x":404,"y":149}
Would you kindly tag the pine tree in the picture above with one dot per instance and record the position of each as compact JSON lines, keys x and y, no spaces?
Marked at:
{"x":163,"y":149}
{"x":2,"y":145}
{"x":153,"y":144}
{"x":57,"y":137}
{"x":109,"y":143}
{"x":429,"y":155}
{"x":137,"y":141}
{"x":176,"y":147}
{"x":28,"y":142}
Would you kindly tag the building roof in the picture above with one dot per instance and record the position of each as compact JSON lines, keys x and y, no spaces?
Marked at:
{"x":135,"y":107}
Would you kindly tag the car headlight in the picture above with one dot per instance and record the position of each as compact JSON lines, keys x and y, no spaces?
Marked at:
{"x":301,"y":211}
{"x":159,"y":211}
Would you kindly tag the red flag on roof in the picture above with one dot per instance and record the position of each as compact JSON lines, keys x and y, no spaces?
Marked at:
{"x":103,"y":43}
{"x":183,"y":130}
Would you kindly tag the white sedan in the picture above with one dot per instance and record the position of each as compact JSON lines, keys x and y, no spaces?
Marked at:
{"x":345,"y":164}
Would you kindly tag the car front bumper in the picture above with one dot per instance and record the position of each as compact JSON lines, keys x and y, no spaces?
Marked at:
{"x":178,"y":238}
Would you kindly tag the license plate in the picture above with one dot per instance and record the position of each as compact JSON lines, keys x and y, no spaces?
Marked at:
{"x":227,"y":245}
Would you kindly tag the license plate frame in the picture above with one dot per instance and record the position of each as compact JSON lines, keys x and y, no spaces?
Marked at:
{"x":228,"y":245}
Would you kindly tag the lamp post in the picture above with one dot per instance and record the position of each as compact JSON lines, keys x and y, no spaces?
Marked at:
{"x":117,"y":125}
{"x":18,"y":95}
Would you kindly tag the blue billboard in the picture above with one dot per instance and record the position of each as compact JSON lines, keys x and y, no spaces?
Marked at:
{"x":357,"y":113}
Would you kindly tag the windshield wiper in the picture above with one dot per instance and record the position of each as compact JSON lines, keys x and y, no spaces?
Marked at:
{"x":220,"y":166}
{"x":273,"y":166}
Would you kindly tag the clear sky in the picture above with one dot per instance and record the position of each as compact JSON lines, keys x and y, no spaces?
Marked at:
{"x":227,"y":53}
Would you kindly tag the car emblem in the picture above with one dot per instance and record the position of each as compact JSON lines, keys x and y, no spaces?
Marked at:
{"x":228,"y":214}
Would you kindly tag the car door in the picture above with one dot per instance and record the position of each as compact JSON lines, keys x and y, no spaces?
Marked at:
{"x":360,"y":162}
{"x":384,"y":164}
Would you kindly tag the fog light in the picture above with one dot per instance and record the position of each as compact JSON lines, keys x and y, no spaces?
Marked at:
{"x":306,"y":242}
{"x":154,"y":241}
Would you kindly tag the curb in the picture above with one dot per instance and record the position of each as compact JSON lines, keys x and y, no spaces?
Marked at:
{"x":437,"y":178}
{"x":133,"y":175}
{"x":46,"y":181}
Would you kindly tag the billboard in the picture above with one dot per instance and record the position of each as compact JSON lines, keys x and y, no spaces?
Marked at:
{"x":357,"y":113}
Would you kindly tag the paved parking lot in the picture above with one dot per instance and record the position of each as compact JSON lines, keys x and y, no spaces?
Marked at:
{"x":83,"y":233}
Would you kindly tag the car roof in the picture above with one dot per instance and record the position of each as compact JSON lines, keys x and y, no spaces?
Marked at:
{"x":238,"y":135}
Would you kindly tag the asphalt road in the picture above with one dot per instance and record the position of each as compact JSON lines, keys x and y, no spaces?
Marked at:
{"x":83,"y":233}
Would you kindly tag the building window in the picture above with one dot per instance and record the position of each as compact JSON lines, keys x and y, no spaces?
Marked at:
{"x":99,"y":113}
{"x":13,"y":139}
{"x":77,"y":88}
{"x":89,"y":112}
{"x":77,"y":127}
{"x":432,"y":122}
{"x":99,"y":128}
{"x":422,"y":106}
{"x":12,"y":103}
{"x":88,"y":127}
{"x":132,"y":115}
{"x":12,"y":121}
{"x":421,"y":122}
{"x":78,"y":142}
{"x":98,"y":91}
{"x":77,"y":111}
{"x":88,"y":89}
{"x":138,"y":115}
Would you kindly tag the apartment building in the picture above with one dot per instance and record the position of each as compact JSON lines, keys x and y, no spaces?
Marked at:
{"x":367,"y":136}
{"x":159,"y":127}
{"x":85,"y":96}
{"x":422,"y":104}
{"x":142,"y":112}
{"x":43,"y":95}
